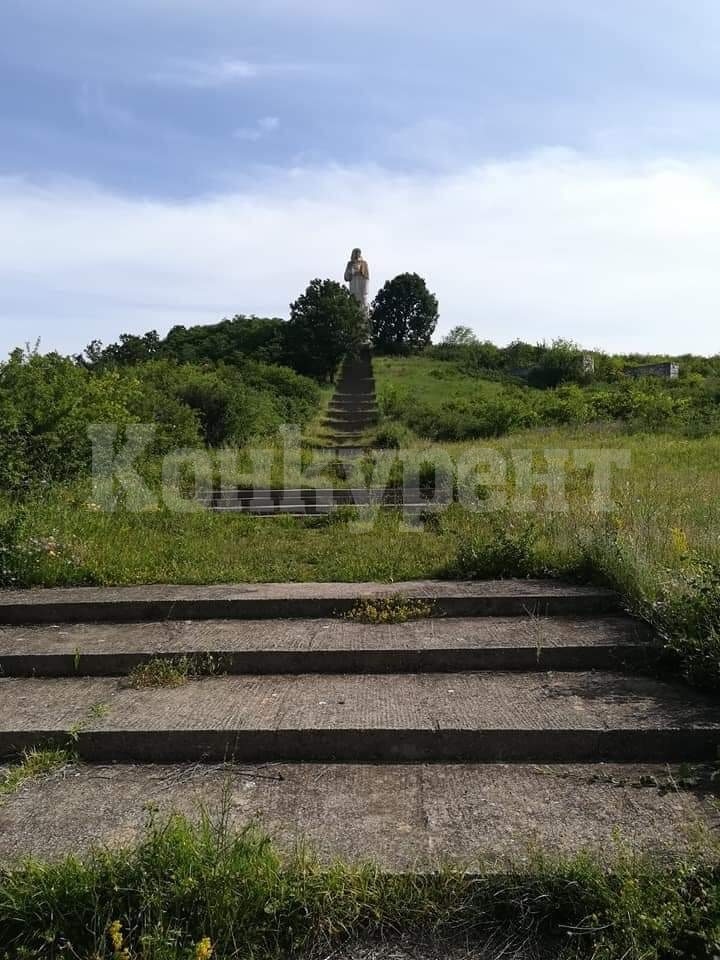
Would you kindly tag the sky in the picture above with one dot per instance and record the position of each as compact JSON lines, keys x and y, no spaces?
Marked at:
{"x":552,"y":168}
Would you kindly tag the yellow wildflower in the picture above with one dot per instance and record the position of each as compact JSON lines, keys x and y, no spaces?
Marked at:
{"x":116,"y":937}
{"x":679,"y":541}
{"x":204,"y":949}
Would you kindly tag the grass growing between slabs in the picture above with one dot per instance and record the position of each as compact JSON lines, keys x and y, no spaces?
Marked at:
{"x":192,"y":889}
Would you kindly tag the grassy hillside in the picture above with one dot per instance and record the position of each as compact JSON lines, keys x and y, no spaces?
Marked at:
{"x":449,"y":396}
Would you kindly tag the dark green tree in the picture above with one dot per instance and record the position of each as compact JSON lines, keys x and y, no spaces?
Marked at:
{"x":404,"y":315}
{"x":324,"y":325}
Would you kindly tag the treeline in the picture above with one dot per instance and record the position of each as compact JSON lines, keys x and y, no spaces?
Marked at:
{"x":48,"y":402}
{"x":325,"y":324}
{"x":549,"y":365}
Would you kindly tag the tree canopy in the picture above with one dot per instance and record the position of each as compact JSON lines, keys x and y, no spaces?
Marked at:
{"x":404,"y":315}
{"x":324,"y":325}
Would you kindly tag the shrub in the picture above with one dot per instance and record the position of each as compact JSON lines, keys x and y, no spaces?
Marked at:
{"x":392,"y":436}
{"x":503,"y":547}
{"x":686,"y":613}
{"x":46,"y":406}
{"x":560,"y":363}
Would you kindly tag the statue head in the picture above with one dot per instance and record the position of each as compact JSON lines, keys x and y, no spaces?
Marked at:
{"x":356,"y":254}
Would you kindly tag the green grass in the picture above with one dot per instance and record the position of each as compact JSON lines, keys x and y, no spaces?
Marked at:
{"x":174,"y":671}
{"x":660,"y":545}
{"x":189,"y":883}
{"x":666,"y":506}
{"x":400,"y":379}
{"x":33,"y":764}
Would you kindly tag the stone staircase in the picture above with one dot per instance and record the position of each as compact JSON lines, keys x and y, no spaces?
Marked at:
{"x":500,"y":672}
{"x":353,"y":408}
{"x":351,"y":412}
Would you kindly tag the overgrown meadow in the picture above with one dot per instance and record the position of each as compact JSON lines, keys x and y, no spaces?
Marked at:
{"x":658,"y":541}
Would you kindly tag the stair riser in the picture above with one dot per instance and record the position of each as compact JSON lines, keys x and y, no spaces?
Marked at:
{"x":77,"y":611}
{"x":379,"y":746}
{"x":340,"y":418}
{"x":335,"y":661}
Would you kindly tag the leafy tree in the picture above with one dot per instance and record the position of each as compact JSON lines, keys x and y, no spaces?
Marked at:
{"x":131,"y":349}
{"x":404,"y":315}
{"x":229,"y":341}
{"x":325,"y":323}
{"x":460,"y":337}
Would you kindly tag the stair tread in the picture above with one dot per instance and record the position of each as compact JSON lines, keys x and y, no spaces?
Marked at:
{"x":428,"y":589}
{"x":228,"y":636}
{"x":403,"y":817}
{"x":525,"y":702}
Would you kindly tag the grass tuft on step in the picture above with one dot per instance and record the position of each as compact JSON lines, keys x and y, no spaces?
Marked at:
{"x":34,"y":763}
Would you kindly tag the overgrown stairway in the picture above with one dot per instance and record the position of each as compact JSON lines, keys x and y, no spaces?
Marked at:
{"x":353,"y":408}
{"x":351,"y":413}
{"x":497,"y":676}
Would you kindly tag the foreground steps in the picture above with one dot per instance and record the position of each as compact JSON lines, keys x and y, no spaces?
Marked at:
{"x":405,"y":817}
{"x":328,"y":646}
{"x":488,"y":598}
{"x":457,"y":717}
{"x":426,"y":736}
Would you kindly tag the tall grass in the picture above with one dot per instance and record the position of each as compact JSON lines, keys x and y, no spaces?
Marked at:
{"x":191,"y":887}
{"x":659,"y":546}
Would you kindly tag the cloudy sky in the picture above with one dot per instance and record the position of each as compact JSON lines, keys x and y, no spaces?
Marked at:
{"x":551,"y":167}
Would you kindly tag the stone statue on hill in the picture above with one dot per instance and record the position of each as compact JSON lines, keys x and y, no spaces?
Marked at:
{"x":357,"y":275}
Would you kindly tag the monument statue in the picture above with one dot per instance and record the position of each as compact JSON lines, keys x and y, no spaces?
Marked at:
{"x":357,"y":275}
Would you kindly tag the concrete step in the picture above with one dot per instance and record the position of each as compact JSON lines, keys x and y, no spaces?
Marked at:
{"x":341,"y":438}
{"x":301,"y":509}
{"x":355,"y":396}
{"x":403,"y":817}
{"x":340,"y":495}
{"x":328,"y":646}
{"x":351,"y":451}
{"x":350,"y":423}
{"x":271,"y":600}
{"x":352,"y":406}
{"x":469,"y":717}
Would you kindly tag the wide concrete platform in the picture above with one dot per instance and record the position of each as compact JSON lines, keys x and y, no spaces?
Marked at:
{"x":401,"y":816}
{"x":539,"y":717}
{"x":328,"y":645}
{"x":265,"y":600}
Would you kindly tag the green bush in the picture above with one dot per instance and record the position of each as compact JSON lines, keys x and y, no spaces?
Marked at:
{"x":686,"y":614}
{"x":46,"y":406}
{"x":502,"y":547}
{"x":559,"y":363}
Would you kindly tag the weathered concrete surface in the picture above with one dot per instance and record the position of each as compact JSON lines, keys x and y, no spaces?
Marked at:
{"x":400,"y":816}
{"x":326,"y":646}
{"x":501,"y":946}
{"x":254,"y":601}
{"x":542,"y":717}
